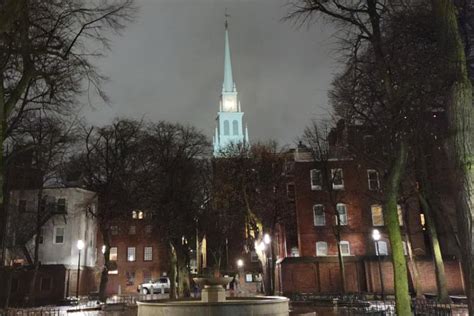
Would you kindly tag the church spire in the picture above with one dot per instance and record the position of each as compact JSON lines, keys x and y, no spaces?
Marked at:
{"x":228,"y":85}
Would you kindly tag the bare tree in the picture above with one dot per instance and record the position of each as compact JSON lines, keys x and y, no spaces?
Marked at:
{"x":109,"y":166}
{"x":47,"y":50}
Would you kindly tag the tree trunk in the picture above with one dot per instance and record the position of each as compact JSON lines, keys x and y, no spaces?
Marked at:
{"x":460,"y":115}
{"x":9,"y":271}
{"x":104,"y":275}
{"x":173,"y":270}
{"x":400,"y":273}
{"x":443,"y":295}
{"x":342,"y":270}
{"x":184,"y":286}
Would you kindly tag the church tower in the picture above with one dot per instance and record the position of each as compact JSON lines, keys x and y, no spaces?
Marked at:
{"x":229,"y":129}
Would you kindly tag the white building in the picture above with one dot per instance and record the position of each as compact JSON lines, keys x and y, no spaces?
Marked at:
{"x":65,"y":214}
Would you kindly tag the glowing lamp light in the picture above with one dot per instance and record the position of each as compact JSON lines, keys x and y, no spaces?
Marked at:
{"x":376,"y":235}
{"x":240,"y":263}
{"x":266,"y":239}
{"x":80,"y":244}
{"x":259,"y":246}
{"x":103,"y":248}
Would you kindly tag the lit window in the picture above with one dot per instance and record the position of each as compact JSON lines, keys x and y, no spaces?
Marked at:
{"x":132,"y":230}
{"x":337,"y":179}
{"x":400,"y":215}
{"x":113,"y":271}
{"x":61,"y":206}
{"x":148,"y":229}
{"x":405,"y":248}
{"x":321,"y":248}
{"x":377,"y":215}
{"x":140,"y":214}
{"x":131,"y":254}
{"x":342,"y":212}
{"x":381,"y":248}
{"x":373,"y":179}
{"x":422,"y":221}
{"x":134,"y":214}
{"x":147,"y":254}
{"x":114,"y":230}
{"x":113,"y":254}
{"x":22,"y":206}
{"x":345,"y":248}
{"x":316,"y":179}
{"x":58,"y":235}
{"x":319,"y":215}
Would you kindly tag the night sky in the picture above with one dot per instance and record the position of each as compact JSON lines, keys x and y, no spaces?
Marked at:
{"x":168,"y":65}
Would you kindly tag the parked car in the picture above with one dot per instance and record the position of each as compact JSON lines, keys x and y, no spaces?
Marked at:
{"x":155,"y":286}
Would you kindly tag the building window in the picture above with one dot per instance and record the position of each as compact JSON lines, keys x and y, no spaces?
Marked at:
{"x":405,"y":248}
{"x":253,"y":256}
{"x":373,"y":180}
{"x":345,"y":248}
{"x":321,"y":248}
{"x":147,"y":254}
{"x":45,"y":284}
{"x":381,"y":248}
{"x":146,"y":276}
{"x":22,"y":206}
{"x":342,"y":212}
{"x":295,"y":252}
{"x":148,"y":214}
{"x":289,"y":167}
{"x":41,"y":235}
{"x":131,"y":254}
{"x":58,"y":235}
{"x":114,"y":230}
{"x":235,"y":127}
{"x":337,"y":179}
{"x":290,"y":191}
{"x":61,"y":206}
{"x":377,"y":215}
{"x":316,"y":179}
{"x":422,"y":221}
{"x":137,"y":214}
{"x":130,"y":278}
{"x":226,"y":128}
{"x":113,"y":254}
{"x":400,"y":215}
{"x":132,"y":230}
{"x":319,"y":215}
{"x":148,"y":229}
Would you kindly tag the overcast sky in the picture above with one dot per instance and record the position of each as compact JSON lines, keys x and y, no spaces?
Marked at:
{"x":168,"y":65}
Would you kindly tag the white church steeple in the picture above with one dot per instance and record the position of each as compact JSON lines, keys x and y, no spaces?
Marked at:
{"x":229,"y":129}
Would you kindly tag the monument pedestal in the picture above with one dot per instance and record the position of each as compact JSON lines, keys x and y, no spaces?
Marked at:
{"x":213,"y":293}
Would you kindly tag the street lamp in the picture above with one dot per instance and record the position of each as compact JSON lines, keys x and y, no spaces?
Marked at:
{"x":80,"y":246}
{"x":376,"y":237}
{"x":240,"y":263}
{"x":266,"y":239}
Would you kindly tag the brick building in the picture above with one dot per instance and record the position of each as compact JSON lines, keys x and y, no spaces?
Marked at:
{"x":137,"y":252}
{"x":353,"y":189}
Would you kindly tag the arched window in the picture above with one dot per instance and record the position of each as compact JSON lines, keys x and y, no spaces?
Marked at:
{"x":321,"y":248}
{"x":226,"y":127}
{"x":235,"y":127}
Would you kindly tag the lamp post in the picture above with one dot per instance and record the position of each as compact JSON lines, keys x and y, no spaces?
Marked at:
{"x":376,"y":238}
{"x":80,"y":246}
{"x":267,"y":240}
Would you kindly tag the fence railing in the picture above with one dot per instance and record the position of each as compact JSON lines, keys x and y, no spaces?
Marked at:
{"x":33,"y":312}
